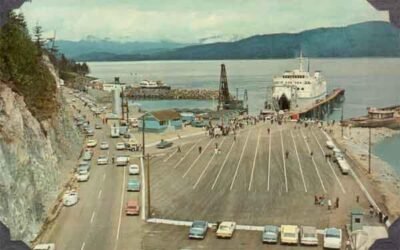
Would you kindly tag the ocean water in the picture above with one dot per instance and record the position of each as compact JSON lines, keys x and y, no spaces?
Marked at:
{"x":369,"y":82}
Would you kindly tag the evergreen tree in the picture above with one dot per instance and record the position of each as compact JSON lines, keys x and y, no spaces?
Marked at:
{"x":39,"y":41}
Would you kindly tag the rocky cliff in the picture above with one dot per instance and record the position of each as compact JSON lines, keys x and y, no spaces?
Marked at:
{"x":34,"y":159}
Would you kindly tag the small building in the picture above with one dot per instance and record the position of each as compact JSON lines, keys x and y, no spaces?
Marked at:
{"x":160,"y":121}
{"x":187,"y":116}
{"x":374,"y":113}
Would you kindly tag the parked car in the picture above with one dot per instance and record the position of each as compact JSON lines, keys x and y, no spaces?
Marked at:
{"x":289,"y":234}
{"x":134,"y":122}
{"x":91,"y":143}
{"x":87,"y":156}
{"x":83,"y":165}
{"x":270,"y":234}
{"x":120,"y":146}
{"x":102,"y":160}
{"x":133,"y":185}
{"x":333,"y":238}
{"x":164,"y":144}
{"x":198,"y":229}
{"x":70,"y":198}
{"x":104,"y":145}
{"x":122,"y":160}
{"x":134,"y":169}
{"x":132,"y":208}
{"x":308,"y":236}
{"x":83,"y":175}
{"x":89,"y":132}
{"x":226,"y":229}
{"x":330,"y":144}
{"x":97,"y":126}
{"x":46,"y":246}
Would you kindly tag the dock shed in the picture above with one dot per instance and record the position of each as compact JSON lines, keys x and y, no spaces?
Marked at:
{"x":159,"y":121}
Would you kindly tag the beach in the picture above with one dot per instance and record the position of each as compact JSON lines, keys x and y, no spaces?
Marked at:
{"x":383,"y":178}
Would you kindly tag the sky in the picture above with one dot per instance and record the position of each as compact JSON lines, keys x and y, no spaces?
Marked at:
{"x":190,"y":20}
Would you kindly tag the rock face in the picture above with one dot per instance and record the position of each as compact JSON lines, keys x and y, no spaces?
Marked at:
{"x":30,"y":163}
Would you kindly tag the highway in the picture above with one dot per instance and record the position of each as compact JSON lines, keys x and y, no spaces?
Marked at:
{"x":248,"y":180}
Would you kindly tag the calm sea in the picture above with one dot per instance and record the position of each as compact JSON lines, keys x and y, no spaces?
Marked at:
{"x":368,"y":82}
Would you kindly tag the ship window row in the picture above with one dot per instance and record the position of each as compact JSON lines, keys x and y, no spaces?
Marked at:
{"x":293,"y":77}
{"x":299,"y":88}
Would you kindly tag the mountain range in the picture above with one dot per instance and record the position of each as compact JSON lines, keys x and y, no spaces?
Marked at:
{"x":368,"y":39}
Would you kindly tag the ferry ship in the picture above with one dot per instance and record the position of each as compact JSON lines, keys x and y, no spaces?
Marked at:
{"x":152,"y":84}
{"x":297,"y":89}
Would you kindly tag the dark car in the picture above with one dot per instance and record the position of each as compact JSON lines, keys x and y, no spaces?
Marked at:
{"x":198,"y":230}
{"x":164,"y":144}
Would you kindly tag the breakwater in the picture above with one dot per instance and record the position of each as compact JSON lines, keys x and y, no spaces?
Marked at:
{"x":171,"y":94}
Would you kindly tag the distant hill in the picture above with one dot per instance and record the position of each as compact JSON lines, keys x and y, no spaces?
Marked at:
{"x":103,"y":49}
{"x":369,"y":39}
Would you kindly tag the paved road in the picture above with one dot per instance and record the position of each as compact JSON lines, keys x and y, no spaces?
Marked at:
{"x":250,"y":181}
{"x":98,"y":221}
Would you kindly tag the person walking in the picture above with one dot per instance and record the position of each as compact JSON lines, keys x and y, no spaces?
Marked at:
{"x":287,"y":154}
{"x":179,"y":149}
{"x":329,"y":204}
{"x":269,"y":130}
{"x":311,"y":154}
{"x":113,"y":160}
{"x":337,"y":202}
{"x":234,"y":137}
{"x":315,"y":199}
{"x":200,"y":149}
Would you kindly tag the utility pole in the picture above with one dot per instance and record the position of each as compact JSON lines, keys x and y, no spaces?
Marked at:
{"x":143,"y":128}
{"x":369,"y":152}
{"x":148,"y":186}
{"x":341,"y":121}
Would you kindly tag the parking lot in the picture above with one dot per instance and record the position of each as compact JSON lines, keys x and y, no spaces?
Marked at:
{"x":251,"y":181}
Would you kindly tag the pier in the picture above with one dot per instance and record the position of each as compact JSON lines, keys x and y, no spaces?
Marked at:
{"x":320,"y":109}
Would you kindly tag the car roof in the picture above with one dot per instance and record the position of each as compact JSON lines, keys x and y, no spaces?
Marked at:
{"x":227,"y":223}
{"x":289,"y":228}
{"x":308,"y":229}
{"x":332,"y":230}
{"x":132,"y":203}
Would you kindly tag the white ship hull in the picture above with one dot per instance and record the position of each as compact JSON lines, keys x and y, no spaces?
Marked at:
{"x":296,"y":89}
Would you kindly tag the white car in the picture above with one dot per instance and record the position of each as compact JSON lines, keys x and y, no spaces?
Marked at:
{"x":226,"y":229}
{"x":120,"y":146}
{"x":308,"y":236}
{"x":102,"y":160}
{"x":70,"y":198}
{"x":83,"y":175}
{"x":134,"y":169}
{"x":330,"y":144}
{"x":333,"y":238}
{"x":104,"y":145}
{"x":91,"y":143}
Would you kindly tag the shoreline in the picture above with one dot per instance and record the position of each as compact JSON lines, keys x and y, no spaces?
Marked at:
{"x":383,"y":176}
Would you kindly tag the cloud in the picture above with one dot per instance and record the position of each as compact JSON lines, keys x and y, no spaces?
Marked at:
{"x":188,"y":21}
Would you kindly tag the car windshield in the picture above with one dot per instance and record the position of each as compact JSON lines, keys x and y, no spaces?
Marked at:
{"x":223,"y":227}
{"x":309,"y":235}
{"x":331,"y":233}
{"x":289,"y":235}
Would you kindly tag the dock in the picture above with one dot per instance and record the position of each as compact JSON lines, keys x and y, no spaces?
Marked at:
{"x":321,"y":108}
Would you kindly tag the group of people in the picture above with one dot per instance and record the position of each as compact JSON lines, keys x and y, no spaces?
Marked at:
{"x":320,"y":200}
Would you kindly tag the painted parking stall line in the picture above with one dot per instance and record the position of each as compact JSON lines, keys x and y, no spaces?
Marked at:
{"x":284,"y":161}
{"x":330,"y":165}
{"x":254,"y":161}
{"x":208,"y":164}
{"x":269,"y":160}
{"x":298,"y":159}
{"x":223,"y":165}
{"x":312,"y":159}
{"x":198,"y":157}
{"x":186,"y":154}
{"x":240,"y":160}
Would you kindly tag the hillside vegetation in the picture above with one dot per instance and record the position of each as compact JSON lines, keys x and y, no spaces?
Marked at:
{"x":22,"y":68}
